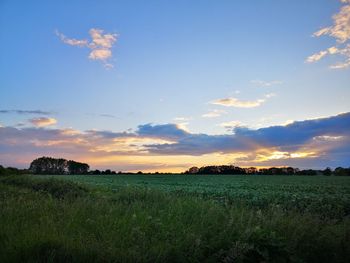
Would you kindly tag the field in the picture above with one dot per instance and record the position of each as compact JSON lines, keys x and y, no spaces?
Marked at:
{"x":174,"y":218}
{"x":327,"y":196}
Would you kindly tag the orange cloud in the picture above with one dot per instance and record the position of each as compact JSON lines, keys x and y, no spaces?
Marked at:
{"x":43,"y":121}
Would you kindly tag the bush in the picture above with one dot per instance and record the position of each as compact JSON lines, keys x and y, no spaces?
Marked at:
{"x":11,"y":171}
{"x":56,"y":188}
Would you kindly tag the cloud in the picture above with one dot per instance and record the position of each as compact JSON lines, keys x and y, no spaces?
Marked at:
{"x":182,"y":119}
{"x":300,"y":139}
{"x":100,"y":54}
{"x":214,"y":114}
{"x":43,"y":121}
{"x":72,"y":41}
{"x":230,"y":125}
{"x":310,"y":143}
{"x":100,"y":45}
{"x":262,"y":83}
{"x":340,"y":31}
{"x":234,"y":102}
{"x":40,"y":112}
{"x":107,"y":115}
{"x":164,"y":131}
{"x":316,"y":56}
{"x":100,"y":40}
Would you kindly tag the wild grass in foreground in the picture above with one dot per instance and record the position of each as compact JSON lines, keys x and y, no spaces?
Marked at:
{"x":59,"y":221}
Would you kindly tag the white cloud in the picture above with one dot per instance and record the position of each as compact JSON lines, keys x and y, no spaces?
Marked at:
{"x":182,"y":123}
{"x":182,"y":119}
{"x":100,"y":54}
{"x":316,"y":56}
{"x":341,"y":65}
{"x":287,"y":122}
{"x":262,"y":83}
{"x":43,"y":121}
{"x":340,"y":31}
{"x":237,"y":103}
{"x":102,"y":40}
{"x":270,"y":95}
{"x":101,"y":45}
{"x":214,"y":114}
{"x":234,"y":102}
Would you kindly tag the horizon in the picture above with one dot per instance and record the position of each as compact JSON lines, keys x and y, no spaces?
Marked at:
{"x":164,"y":86}
{"x":258,"y":168}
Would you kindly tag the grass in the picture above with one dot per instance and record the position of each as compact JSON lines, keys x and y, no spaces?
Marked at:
{"x":99,"y":219}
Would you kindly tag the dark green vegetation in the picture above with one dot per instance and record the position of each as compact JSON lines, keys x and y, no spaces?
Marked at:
{"x":231,"y":169}
{"x":12,"y":170}
{"x":174,"y":219}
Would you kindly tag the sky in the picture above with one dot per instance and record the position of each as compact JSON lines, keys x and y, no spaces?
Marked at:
{"x":166,"y":85}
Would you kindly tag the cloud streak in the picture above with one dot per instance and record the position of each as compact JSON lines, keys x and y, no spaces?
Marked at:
{"x":39,"y":112}
{"x":214,"y":114}
{"x":262,"y":83}
{"x":237,"y":103}
{"x":100,"y":45}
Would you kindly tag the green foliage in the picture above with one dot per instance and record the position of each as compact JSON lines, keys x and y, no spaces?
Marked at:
{"x":55,"y":188}
{"x":340,"y":171}
{"x":12,"y":171}
{"x":147,"y":219}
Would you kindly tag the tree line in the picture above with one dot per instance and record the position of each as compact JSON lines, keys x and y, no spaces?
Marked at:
{"x":49,"y":165}
{"x":231,"y":169}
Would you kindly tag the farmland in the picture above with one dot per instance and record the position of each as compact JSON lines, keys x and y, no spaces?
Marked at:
{"x":329,"y":196}
{"x":174,"y":218}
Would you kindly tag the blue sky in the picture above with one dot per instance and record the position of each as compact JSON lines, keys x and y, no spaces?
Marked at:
{"x":207,"y":67}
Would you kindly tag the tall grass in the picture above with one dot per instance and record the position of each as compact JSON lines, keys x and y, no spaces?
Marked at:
{"x":144,"y":225}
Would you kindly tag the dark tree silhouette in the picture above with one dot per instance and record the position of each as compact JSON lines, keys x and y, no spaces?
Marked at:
{"x":48,"y":165}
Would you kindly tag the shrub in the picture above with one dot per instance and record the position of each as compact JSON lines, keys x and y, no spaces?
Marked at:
{"x":56,"y":188}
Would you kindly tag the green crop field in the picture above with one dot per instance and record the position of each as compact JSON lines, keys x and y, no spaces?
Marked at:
{"x":329,"y":196}
{"x":174,"y":218}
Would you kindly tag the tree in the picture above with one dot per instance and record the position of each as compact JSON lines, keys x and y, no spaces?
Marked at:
{"x":340,"y":171}
{"x":193,"y":170}
{"x":77,"y":168}
{"x":327,"y":171}
{"x":48,"y":165}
